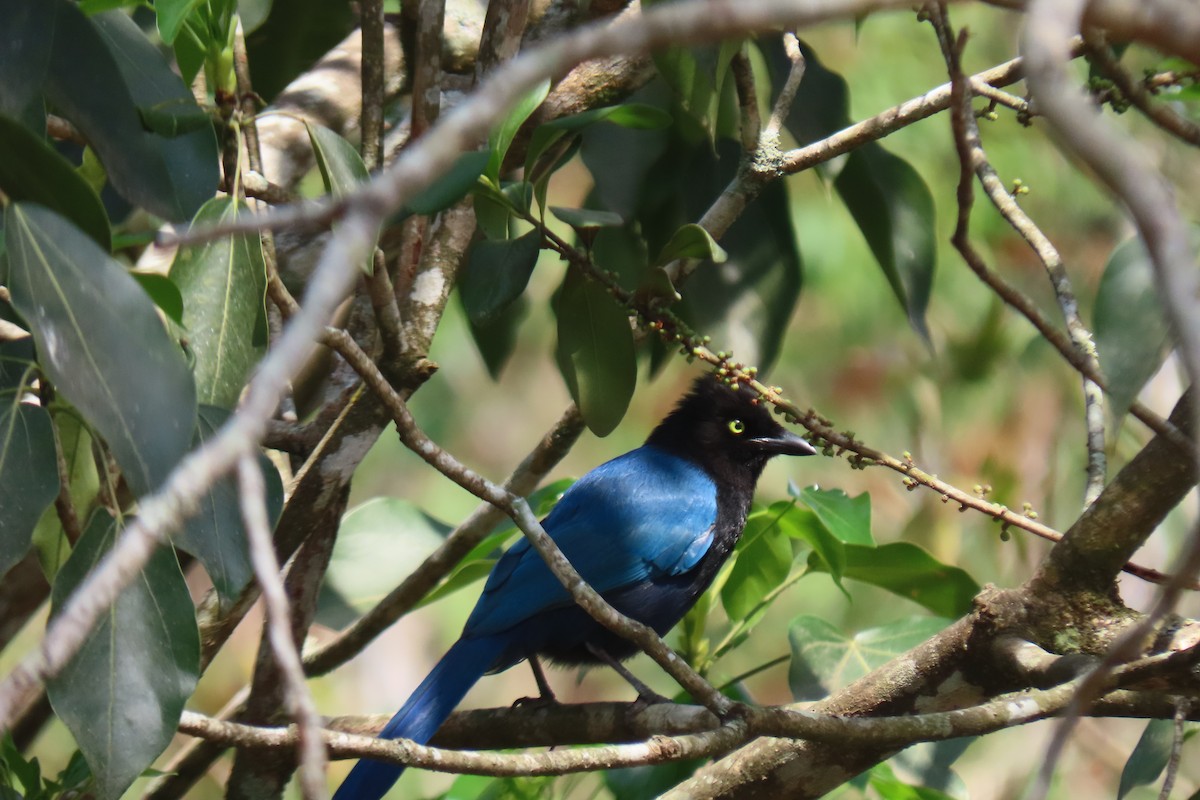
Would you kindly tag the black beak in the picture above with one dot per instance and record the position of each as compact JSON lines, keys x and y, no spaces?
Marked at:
{"x":784,"y":443}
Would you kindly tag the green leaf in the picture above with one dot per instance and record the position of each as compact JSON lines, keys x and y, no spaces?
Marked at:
{"x":453,"y":186}
{"x":911,"y":572}
{"x":183,"y":166}
{"x":83,"y":481}
{"x":893,"y":208}
{"x":1149,"y":756}
{"x":170,"y":16}
{"x":223,"y":284}
{"x":693,"y":87}
{"x":691,"y":241}
{"x":293,"y":37}
{"x":650,"y":781}
{"x":496,"y":274}
{"x":342,"y":168}
{"x":163,"y":291}
{"x":123,"y":693}
{"x":1132,"y":335}
{"x":33,"y":171}
{"x":101,"y":343}
{"x":595,"y":352}
{"x":25,"y":43}
{"x":763,"y":561}
{"x":824,"y":660}
{"x":217,"y":535}
{"x":379,"y":544}
{"x":496,"y":338}
{"x":503,"y":135}
{"x":28,"y":476}
{"x":847,"y":518}
{"x":889,"y":787}
{"x":584,"y":218}
{"x":803,"y":524}
{"x":638,"y":116}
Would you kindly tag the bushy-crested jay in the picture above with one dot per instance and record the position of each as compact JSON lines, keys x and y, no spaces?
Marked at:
{"x":648,"y":530}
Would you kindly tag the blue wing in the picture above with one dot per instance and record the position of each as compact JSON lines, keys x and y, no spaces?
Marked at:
{"x":643,"y":515}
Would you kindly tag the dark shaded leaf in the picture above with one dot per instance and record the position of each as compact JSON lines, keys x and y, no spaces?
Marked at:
{"x":1131,"y":330}
{"x":379,"y":543}
{"x":16,"y":358}
{"x":223,"y":283}
{"x":648,"y":782}
{"x":216,"y":535}
{"x":825,"y":660}
{"x":25,"y":44}
{"x":691,"y":241}
{"x":453,"y":186}
{"x":496,"y":274}
{"x":124,"y":691}
{"x":163,"y":291}
{"x":889,"y":787}
{"x":102,"y":344}
{"x":28,"y":476}
{"x":1149,"y":756}
{"x":581,"y":218}
{"x":595,"y":352}
{"x":504,"y":133}
{"x":928,"y":763}
{"x":293,"y":37}
{"x":893,"y":208}
{"x":100,"y":71}
{"x":911,"y":572}
{"x":496,"y":338}
{"x":847,"y":518}
{"x":32,"y":170}
{"x":342,"y":168}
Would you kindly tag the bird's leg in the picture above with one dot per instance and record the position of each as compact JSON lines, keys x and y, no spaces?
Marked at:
{"x":545,"y":693}
{"x":646,"y":695}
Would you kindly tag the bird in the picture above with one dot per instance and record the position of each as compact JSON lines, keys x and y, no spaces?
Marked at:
{"x":648,"y":530}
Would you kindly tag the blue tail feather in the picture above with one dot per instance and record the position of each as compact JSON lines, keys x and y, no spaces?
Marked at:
{"x":424,"y":712}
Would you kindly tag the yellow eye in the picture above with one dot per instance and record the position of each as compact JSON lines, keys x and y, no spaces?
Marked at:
{"x":737,"y":427}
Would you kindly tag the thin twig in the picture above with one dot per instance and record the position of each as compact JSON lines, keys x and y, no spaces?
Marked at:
{"x":1182,"y":707}
{"x":973,"y":157}
{"x":252,"y":491}
{"x":1136,"y":93}
{"x":747,"y":97}
{"x":787,"y":94}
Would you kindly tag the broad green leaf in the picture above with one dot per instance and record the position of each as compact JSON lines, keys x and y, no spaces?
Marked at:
{"x":1149,"y":756}
{"x":451,"y":187}
{"x":889,"y":787}
{"x":928,"y":764}
{"x":691,"y":241}
{"x":496,"y":274}
{"x":187,"y":145}
{"x":911,"y":572}
{"x":379,"y":544}
{"x":651,"y":781}
{"x":216,"y":535}
{"x":342,"y":168}
{"x":465,"y":574}
{"x":893,"y":208}
{"x":222,"y":284}
{"x":595,"y":352}
{"x":122,"y":694}
{"x":170,"y":15}
{"x":763,"y":561}
{"x":101,"y":343}
{"x":583,"y":218}
{"x":496,"y":338}
{"x":293,"y":37}
{"x":639,"y":116}
{"x":83,"y":483}
{"x":503,"y":135}
{"x":25,"y":43}
{"x":847,"y":518}
{"x":803,"y":524}
{"x":17,"y":357}
{"x":253,"y":13}
{"x":824,"y":660}
{"x":1132,"y":335}
{"x":28,"y":476}
{"x":163,"y":291}
{"x":31,"y":170}
{"x":693,"y":86}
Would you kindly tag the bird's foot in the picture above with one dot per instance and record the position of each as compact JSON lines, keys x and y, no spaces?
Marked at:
{"x":535,"y":703}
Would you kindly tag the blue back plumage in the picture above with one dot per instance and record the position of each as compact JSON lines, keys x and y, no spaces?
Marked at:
{"x":642,"y":515}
